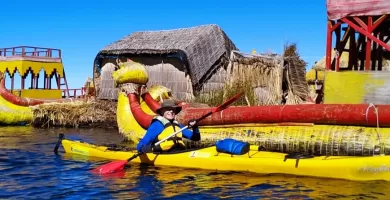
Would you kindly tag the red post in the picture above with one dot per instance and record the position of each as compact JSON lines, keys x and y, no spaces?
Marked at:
{"x":328,"y":46}
{"x":368,"y":45}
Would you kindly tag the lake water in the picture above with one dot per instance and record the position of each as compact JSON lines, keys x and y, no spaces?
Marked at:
{"x":30,"y":170}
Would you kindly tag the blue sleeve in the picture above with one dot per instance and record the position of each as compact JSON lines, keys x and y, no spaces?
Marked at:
{"x":191,"y":135}
{"x":151,"y":134}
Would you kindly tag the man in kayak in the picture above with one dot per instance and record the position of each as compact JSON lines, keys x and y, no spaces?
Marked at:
{"x":165,"y":124}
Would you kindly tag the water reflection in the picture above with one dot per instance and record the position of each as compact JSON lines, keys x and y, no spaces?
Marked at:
{"x":166,"y":182}
{"x":30,"y":169}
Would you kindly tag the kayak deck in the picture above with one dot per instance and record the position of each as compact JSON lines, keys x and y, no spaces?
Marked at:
{"x":354,"y":168}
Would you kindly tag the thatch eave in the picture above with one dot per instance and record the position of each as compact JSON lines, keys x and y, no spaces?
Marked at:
{"x":139,"y":51}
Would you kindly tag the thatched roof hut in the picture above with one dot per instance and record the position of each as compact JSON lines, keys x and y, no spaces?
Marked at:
{"x":201,"y":60}
{"x":181,"y":59}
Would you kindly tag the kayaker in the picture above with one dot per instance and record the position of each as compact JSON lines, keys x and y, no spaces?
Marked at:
{"x":165,"y":124}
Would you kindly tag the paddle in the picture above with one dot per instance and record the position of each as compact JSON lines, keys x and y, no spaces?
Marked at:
{"x":119,"y":164}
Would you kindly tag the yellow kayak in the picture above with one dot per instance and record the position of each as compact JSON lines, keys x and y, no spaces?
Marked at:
{"x":354,"y":168}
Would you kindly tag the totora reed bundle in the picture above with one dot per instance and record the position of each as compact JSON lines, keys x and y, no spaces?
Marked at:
{"x":312,"y":139}
{"x":76,"y":114}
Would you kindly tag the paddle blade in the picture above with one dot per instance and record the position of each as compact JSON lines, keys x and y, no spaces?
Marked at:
{"x":228,"y":102}
{"x":111,"y":167}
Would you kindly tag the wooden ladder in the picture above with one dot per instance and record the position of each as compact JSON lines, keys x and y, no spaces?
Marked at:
{"x":63,"y":82}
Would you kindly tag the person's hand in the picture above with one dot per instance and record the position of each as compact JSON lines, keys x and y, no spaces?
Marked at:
{"x":191,"y":123}
{"x":146,"y":149}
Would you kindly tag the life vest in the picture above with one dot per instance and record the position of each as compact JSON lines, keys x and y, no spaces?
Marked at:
{"x":169,"y":128}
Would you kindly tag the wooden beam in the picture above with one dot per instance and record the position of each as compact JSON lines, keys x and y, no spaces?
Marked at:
{"x":368,"y":45}
{"x":36,"y":81}
{"x":338,"y":49}
{"x":50,"y":78}
{"x":364,"y":32}
{"x":387,"y":39}
{"x":328,"y":46}
{"x":32,"y":81}
{"x":380,"y":54}
{"x":22,"y":80}
{"x":12,"y":81}
{"x":360,"y":22}
{"x":45,"y":81}
{"x":58,"y":81}
{"x":341,"y":46}
{"x":334,"y":26}
{"x":377,"y":22}
{"x":374,"y":54}
{"x":361,"y":45}
{"x":352,"y":58}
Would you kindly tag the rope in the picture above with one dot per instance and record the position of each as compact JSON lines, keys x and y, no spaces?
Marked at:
{"x":222,"y":116}
{"x":377,"y":124}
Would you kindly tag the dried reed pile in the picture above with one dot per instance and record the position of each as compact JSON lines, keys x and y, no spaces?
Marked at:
{"x":259,"y":77}
{"x":263,"y":77}
{"x":77,"y":114}
{"x":295,"y":75}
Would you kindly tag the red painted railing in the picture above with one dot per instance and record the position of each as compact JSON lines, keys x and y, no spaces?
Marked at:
{"x":73,"y":92}
{"x":29,"y":51}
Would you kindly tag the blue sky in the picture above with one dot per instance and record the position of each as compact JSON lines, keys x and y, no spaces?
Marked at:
{"x":81,"y":28}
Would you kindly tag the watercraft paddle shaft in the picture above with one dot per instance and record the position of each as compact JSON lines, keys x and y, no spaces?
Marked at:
{"x":171,"y":135}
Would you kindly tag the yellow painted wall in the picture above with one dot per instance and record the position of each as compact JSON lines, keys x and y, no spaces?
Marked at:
{"x":23,"y":65}
{"x":355,"y":87}
{"x":39,"y":94}
{"x":311,"y":75}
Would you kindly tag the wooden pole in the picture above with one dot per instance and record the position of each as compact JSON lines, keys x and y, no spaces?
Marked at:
{"x":338,"y":48}
{"x":368,"y":44}
{"x":328,"y":46}
{"x":23,"y":79}
{"x":32,"y":81}
{"x":12,"y":82}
